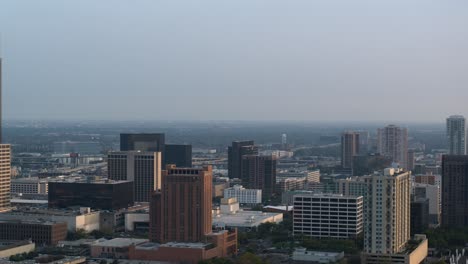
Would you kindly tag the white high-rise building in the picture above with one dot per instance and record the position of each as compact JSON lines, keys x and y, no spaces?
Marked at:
{"x":387,"y":212}
{"x":392,"y":141}
{"x":456,"y":135}
{"x":244,"y":196}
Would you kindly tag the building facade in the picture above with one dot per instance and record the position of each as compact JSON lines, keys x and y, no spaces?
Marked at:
{"x":392,"y":141}
{"x":179,"y":155}
{"x":142,"y":168}
{"x":145,"y":142}
{"x":349,"y":148}
{"x":181,"y":211}
{"x":105,"y":195}
{"x":40,"y":232}
{"x":328,"y":215}
{"x":243,"y":195}
{"x":259,"y":172}
{"x":387,"y":212}
{"x":5,"y":177}
{"x":454,"y":189}
{"x":456,"y":135}
{"x":235,"y":154}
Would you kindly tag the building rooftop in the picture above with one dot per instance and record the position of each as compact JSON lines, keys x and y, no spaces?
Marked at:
{"x":281,"y":207}
{"x":245,"y":218}
{"x":121,"y":242}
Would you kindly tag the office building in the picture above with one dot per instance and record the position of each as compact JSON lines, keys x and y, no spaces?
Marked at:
{"x":151,"y":142}
{"x":181,"y":211}
{"x":105,"y":195}
{"x":5,"y":177}
{"x":40,"y":232}
{"x":349,"y":148}
{"x":142,"y":168}
{"x":179,"y":155}
{"x":33,"y":185}
{"x":387,"y":212}
{"x":328,"y":215}
{"x":454,"y":190}
{"x":392,"y":141}
{"x":354,"y":186}
{"x":456,"y":135}
{"x":259,"y":172}
{"x":290,"y":184}
{"x":235,"y":154}
{"x":410,"y":160}
{"x":243,"y":195}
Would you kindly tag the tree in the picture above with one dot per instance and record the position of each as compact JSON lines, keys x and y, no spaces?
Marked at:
{"x":249,"y":258}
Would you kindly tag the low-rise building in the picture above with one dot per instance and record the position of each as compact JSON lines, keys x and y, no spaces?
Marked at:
{"x":10,"y":248}
{"x":40,"y":232}
{"x":302,"y":255}
{"x":243,"y":195}
{"x":137,"y":222}
{"x":117,"y":248}
{"x":79,"y":218}
{"x":218,"y":244}
{"x":414,"y":253}
{"x":230,"y":216}
{"x":33,"y":185}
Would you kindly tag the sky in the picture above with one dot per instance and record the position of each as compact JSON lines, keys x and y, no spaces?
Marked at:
{"x":311,"y":60}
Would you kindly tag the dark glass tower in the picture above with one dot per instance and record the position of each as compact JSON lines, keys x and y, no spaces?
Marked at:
{"x":153,"y":142}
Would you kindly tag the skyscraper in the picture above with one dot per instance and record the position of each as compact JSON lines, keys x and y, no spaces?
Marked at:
{"x":5,"y":177}
{"x":181,"y":211}
{"x":235,"y":153}
{"x":454,"y":190}
{"x":143,"y":168}
{"x":180,"y":155}
{"x":456,"y":135}
{"x":154,"y":142}
{"x":1,"y":127}
{"x":387,"y":212}
{"x":349,"y":148}
{"x":259,"y":172}
{"x":392,"y":141}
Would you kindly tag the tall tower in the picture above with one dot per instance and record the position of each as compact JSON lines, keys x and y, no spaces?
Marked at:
{"x":259,"y":172}
{"x":235,"y":153}
{"x":392,"y":141}
{"x":5,"y":177}
{"x":153,"y":142}
{"x":181,"y":211}
{"x":454,"y":188}
{"x":143,"y":168}
{"x":456,"y":135}
{"x":349,"y":148}
{"x":387,"y":212}
{"x":1,"y":127}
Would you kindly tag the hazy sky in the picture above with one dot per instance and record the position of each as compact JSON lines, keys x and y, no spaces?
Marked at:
{"x":403,"y":60}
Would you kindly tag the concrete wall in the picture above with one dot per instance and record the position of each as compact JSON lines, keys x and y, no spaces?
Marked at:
{"x":17,"y":250}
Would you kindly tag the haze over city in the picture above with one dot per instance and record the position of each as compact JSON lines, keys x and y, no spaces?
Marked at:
{"x":238,"y":60}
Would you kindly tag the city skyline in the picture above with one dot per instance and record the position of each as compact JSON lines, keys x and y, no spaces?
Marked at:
{"x":318,"y":57}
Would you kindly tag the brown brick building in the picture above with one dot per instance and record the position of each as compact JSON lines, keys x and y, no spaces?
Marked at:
{"x":48,"y":233}
{"x":182,"y":210}
{"x":259,"y":172}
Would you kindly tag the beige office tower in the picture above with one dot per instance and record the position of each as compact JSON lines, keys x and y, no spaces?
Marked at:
{"x":392,"y":141}
{"x":387,"y":212}
{"x":5,"y":177}
{"x":143,"y":168}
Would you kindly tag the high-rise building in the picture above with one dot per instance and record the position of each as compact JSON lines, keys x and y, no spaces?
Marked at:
{"x":180,"y":155}
{"x":387,"y":212}
{"x":181,"y":211}
{"x":5,"y":177}
{"x":456,"y":135}
{"x":1,"y":127}
{"x":259,"y":172}
{"x":454,"y":190}
{"x":349,"y":148}
{"x":152,"y":142}
{"x":363,"y":142}
{"x":410,"y":163}
{"x":142,"y":168}
{"x":235,"y":153}
{"x":419,"y":216}
{"x":392,"y":141}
